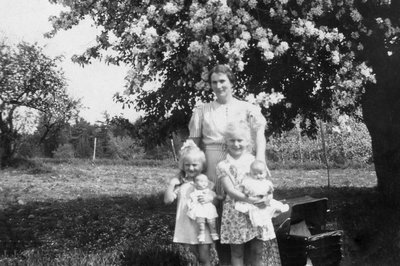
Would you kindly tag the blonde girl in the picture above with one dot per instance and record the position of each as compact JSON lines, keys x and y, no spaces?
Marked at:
{"x":236,"y":227}
{"x":192,"y":162}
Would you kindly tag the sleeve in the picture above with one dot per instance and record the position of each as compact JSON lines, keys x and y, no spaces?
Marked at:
{"x":177,"y":189}
{"x":255,"y":117}
{"x":195,"y":124}
{"x":222,"y":170}
{"x":278,"y":206}
{"x":212,"y":193}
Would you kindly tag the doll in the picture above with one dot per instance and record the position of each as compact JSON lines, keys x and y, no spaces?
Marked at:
{"x":255,"y":184}
{"x":203,"y":213}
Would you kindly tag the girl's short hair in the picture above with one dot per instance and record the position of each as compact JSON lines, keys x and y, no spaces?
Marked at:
{"x":194,"y":151}
{"x":222,"y":69}
{"x":238,"y":127}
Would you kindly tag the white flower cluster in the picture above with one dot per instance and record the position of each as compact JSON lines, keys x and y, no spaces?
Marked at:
{"x":366,"y":72}
{"x":335,"y":57}
{"x":137,"y":27}
{"x":173,"y":37}
{"x":305,"y":27}
{"x":195,"y":47}
{"x":170,"y":8}
{"x":266,"y":99}
{"x":343,"y":125}
{"x":150,"y":35}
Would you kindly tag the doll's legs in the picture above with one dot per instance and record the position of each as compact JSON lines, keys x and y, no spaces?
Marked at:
{"x":237,"y":254}
{"x":201,"y":222}
{"x":212,"y":225}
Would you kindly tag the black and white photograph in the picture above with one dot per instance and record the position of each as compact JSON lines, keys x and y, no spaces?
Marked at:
{"x":199,"y":132}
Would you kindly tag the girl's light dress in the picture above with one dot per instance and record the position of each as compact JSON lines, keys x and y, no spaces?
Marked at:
{"x":186,"y":229}
{"x":236,"y":227}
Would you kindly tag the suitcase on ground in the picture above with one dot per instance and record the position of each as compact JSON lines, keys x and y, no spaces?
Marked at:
{"x":302,"y":235}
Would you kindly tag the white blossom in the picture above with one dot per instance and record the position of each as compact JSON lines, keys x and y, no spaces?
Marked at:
{"x":215,"y":39}
{"x":282,"y":48}
{"x":170,"y":8}
{"x":245,"y":35}
{"x":260,"y":33}
{"x":195,"y":47}
{"x":268,"y":55}
{"x":240,"y":65}
{"x":173,"y":36}
{"x":264,"y":44}
{"x":335,"y":57}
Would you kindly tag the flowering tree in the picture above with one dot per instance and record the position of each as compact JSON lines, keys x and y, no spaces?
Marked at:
{"x":294,"y":57}
{"x":30,"y":84}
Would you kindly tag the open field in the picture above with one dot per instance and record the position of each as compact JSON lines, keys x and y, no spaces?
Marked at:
{"x":89,"y":214}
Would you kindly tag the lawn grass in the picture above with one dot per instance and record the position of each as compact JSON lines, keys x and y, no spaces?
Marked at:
{"x":112,"y":214}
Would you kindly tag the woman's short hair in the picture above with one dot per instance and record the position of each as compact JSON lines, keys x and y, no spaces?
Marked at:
{"x":222,"y":69}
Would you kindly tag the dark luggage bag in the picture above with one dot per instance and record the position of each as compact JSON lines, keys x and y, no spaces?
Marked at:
{"x":302,"y":235}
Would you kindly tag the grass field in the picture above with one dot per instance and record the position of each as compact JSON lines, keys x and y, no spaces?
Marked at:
{"x":81,"y":213}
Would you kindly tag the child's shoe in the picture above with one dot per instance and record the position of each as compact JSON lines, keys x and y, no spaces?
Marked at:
{"x":202,"y":238}
{"x":214,"y":236}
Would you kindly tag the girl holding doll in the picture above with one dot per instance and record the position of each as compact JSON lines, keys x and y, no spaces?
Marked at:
{"x":236,"y":226}
{"x":192,"y":163}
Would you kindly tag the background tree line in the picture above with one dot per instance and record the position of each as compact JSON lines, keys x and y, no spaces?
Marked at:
{"x":348,"y":143}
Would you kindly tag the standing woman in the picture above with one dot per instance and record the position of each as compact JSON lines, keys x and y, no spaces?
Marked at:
{"x":208,"y":123}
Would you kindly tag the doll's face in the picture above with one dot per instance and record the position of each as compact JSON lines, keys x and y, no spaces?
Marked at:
{"x":201,"y":182}
{"x":258,"y":173}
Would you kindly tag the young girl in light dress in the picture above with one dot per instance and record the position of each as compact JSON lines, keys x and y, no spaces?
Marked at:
{"x":236,"y":227}
{"x":191,"y":164}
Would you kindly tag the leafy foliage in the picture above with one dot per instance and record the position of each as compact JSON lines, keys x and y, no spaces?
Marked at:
{"x":317,"y":55}
{"x":273,"y":46}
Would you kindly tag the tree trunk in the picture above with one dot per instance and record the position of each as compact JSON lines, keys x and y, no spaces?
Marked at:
{"x":6,"y":150}
{"x":381,"y":108}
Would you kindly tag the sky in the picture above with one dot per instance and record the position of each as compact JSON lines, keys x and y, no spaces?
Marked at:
{"x":94,"y":84}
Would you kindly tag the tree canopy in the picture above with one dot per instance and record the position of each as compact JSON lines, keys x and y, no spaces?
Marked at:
{"x":294,"y":57}
{"x":29,"y":79}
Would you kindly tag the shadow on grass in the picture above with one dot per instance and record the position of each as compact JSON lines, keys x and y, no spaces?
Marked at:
{"x":138,"y":231}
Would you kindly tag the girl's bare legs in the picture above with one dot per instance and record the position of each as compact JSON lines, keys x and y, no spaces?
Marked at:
{"x":256,"y":252}
{"x":237,"y":254}
{"x":203,"y":253}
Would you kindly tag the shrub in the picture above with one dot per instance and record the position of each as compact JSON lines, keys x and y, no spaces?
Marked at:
{"x":64,"y":151}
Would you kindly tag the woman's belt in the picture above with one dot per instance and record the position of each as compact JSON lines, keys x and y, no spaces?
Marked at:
{"x":214,"y":146}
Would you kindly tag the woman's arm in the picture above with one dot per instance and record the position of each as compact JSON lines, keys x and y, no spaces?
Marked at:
{"x":169,"y":194}
{"x":261,"y":145}
{"x":236,"y":194}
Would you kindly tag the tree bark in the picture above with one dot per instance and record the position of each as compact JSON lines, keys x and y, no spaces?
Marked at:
{"x":381,"y":109}
{"x":6,"y":151}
